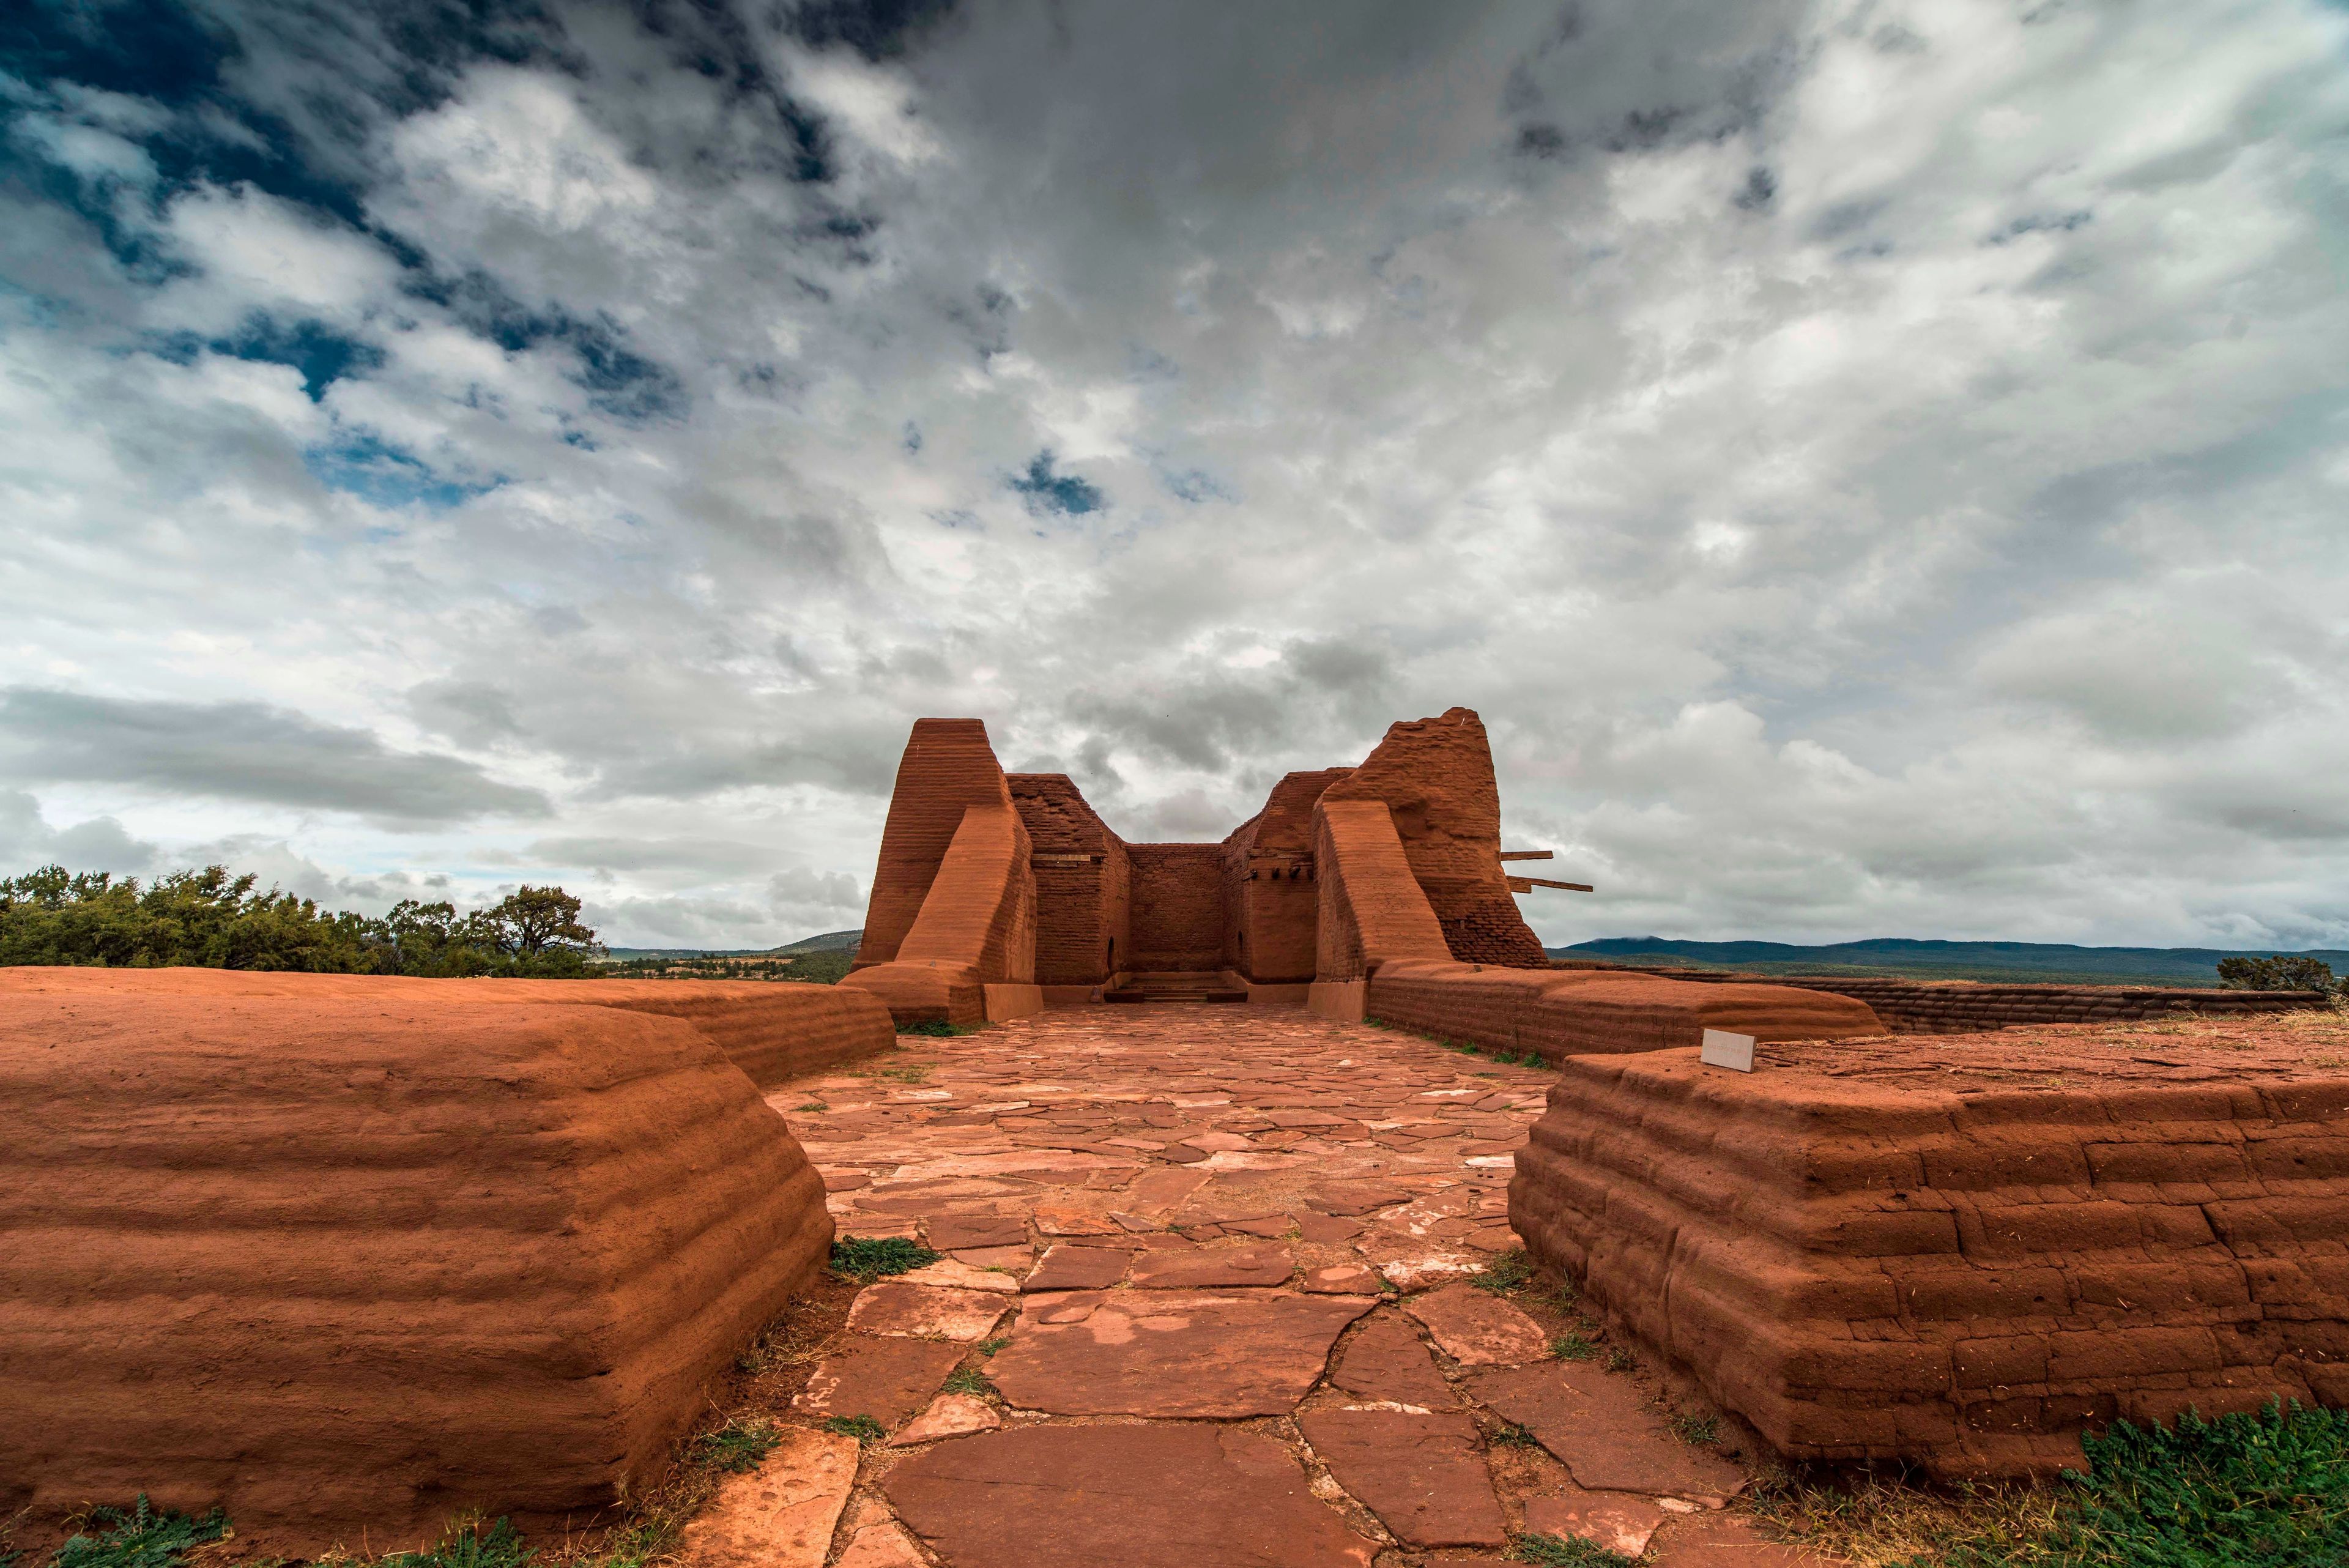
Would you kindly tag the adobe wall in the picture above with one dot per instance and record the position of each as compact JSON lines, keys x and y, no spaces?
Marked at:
{"x":351,"y":1258}
{"x":1960,"y":1252}
{"x":1965,"y":1007}
{"x":1083,"y":925}
{"x":1270,"y":894}
{"x":1177,"y":906}
{"x":1435,"y":775}
{"x":948,"y":767}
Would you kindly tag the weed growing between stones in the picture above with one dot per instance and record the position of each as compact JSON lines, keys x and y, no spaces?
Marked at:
{"x":138,"y":1537}
{"x":737,"y":1446}
{"x":1564,"y":1551}
{"x":990,"y":1346}
{"x":863,"y":1428}
{"x":1508,"y":1273}
{"x":967,"y":1380}
{"x":1571,"y":1347}
{"x":865,"y":1258}
{"x":1699,"y":1430}
{"x":2264,"y":1490}
{"x":467,"y":1547}
{"x":1509,"y":1434}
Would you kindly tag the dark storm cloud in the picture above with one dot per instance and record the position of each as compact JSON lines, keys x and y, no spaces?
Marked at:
{"x":245,"y":752}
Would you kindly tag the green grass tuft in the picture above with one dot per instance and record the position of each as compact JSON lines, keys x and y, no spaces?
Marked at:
{"x":1698,"y":1430}
{"x":1571,"y":1347}
{"x":990,"y":1346}
{"x":967,"y":1380}
{"x":863,"y":1428}
{"x":468,"y":1547}
{"x":2263,"y":1490}
{"x":938,"y":1029}
{"x":865,"y":1258}
{"x":1509,"y":1271}
{"x":1509,"y":1434}
{"x":1620,"y":1360}
{"x":1564,"y":1551}
{"x":139,"y":1537}
{"x":738,"y":1446}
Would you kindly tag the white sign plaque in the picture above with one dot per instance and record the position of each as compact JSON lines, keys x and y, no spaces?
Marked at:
{"x":1722,"y":1049}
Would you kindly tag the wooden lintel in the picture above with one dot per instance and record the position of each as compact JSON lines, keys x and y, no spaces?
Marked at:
{"x":1527,"y":883}
{"x":1528,"y":854}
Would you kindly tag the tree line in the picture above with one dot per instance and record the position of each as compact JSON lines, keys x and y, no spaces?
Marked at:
{"x":211,"y":919}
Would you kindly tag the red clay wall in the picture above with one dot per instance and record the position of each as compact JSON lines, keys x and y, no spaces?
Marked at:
{"x":348,"y":1258}
{"x":1270,"y":894}
{"x":948,"y":767}
{"x":1958,"y":1253}
{"x":1436,"y":777}
{"x":1081,"y":882}
{"x":1177,"y":906}
{"x":1965,"y":1007}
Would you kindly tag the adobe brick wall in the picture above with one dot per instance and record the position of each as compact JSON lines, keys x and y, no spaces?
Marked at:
{"x":1177,"y":906}
{"x":948,"y":766}
{"x":1965,"y":1007}
{"x":1082,"y":882}
{"x":1270,"y":899}
{"x":1435,"y":775}
{"x":348,"y":1255}
{"x":1960,"y":1252}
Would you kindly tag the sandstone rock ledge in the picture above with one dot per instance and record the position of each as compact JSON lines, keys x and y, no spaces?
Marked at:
{"x":1962,"y":1251}
{"x":350,"y":1255}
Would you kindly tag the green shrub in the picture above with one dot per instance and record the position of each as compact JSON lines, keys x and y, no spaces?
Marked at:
{"x":2279,"y":972}
{"x":863,"y":1428}
{"x":867,"y":1257}
{"x":139,"y":1537}
{"x":938,"y":1028}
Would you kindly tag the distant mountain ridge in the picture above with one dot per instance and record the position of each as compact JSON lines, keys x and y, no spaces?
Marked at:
{"x":829,"y":942}
{"x":2057,"y":963}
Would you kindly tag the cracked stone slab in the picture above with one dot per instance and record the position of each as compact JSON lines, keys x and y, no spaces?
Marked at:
{"x":1604,"y":1432}
{"x":949,"y":1416}
{"x":781,"y":1515}
{"x":1170,"y":1352}
{"x":1617,"y":1521}
{"x":1386,"y":1361}
{"x":1213,"y":1268}
{"x":927,"y":1312}
{"x":1136,"y":1496}
{"x":1422,"y":1473}
{"x":1477,"y":1328}
{"x":888,"y":1379}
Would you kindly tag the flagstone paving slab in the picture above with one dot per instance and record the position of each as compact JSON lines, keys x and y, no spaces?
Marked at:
{"x":1076,"y":1268}
{"x":1133,"y":1496}
{"x":1597,"y":1423}
{"x":949,"y":1416}
{"x":888,"y":1379}
{"x":929,"y":1312}
{"x":1172,"y":1354}
{"x":780,"y":1515}
{"x":1387,"y":1361}
{"x":1422,"y":1474}
{"x":1616,"y":1521}
{"x":1477,"y":1328}
{"x":883,"y":1545}
{"x":1213,"y":1268}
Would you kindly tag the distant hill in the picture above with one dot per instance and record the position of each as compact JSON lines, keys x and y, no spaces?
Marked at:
{"x":830,"y":942}
{"x":2050,"y":963}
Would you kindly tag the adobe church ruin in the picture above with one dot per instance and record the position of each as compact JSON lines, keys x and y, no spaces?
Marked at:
{"x":1378,"y":888}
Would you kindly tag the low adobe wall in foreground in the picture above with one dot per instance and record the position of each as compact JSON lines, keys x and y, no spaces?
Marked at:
{"x":349,"y":1256}
{"x":1963,"y":1251}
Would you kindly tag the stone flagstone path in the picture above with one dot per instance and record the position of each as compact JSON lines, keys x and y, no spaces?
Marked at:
{"x":1204,"y":1303}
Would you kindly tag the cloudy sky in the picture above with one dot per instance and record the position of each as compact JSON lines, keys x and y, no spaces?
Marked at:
{"x":1879,"y":468}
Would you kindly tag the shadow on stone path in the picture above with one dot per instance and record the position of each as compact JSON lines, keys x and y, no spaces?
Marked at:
{"x":1203,"y":1304}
